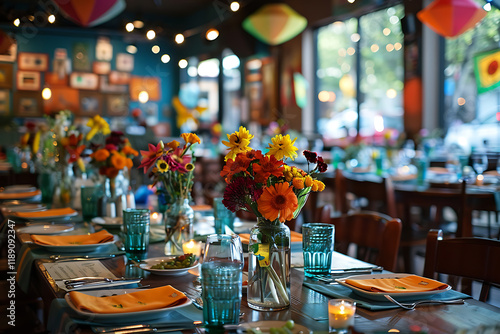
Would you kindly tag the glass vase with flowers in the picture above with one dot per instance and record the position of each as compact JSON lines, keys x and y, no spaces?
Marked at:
{"x":112,"y":159}
{"x":171,"y":167}
{"x":275,"y":192}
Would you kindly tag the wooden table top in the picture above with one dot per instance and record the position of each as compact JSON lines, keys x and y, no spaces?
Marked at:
{"x":433,"y":319}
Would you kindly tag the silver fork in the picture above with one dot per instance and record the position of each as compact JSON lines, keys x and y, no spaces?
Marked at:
{"x":411,"y":306}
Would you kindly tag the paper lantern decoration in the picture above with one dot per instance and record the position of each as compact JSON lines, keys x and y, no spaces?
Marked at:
{"x":450,"y":18}
{"x":89,"y":13}
{"x":487,"y":70}
{"x":275,"y":23}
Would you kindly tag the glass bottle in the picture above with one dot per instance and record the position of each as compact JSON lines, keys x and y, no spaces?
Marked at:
{"x":178,"y":220}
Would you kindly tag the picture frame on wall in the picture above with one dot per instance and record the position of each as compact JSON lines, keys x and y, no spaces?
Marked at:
{"x":11,"y":54}
{"x":91,"y":104}
{"x":28,"y":104}
{"x":119,"y":78}
{"x":101,"y":67}
{"x":81,"y":80}
{"x":62,"y":98}
{"x":124,"y":62}
{"x":30,"y":61}
{"x":4,"y":102}
{"x":106,"y":87}
{"x":6,"y":76}
{"x":28,"y":80}
{"x":117,"y":105}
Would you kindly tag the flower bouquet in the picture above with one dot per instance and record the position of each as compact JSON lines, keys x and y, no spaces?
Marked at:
{"x":275,"y":192}
{"x":172,"y":170}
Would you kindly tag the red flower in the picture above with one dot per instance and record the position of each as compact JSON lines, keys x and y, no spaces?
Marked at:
{"x":266,"y":167}
{"x":310,"y":156}
{"x":322,"y":166}
{"x":236,"y":193}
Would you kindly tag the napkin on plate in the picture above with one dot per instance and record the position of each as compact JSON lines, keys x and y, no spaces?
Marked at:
{"x":68,"y":240}
{"x":294,"y":237}
{"x":143,"y":300}
{"x":412,"y":283}
{"x":46,"y":213}
{"x":17,"y":195}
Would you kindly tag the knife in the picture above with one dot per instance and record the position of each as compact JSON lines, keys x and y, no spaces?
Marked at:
{"x":377,"y":268}
{"x":63,"y":258}
{"x":141,"y":327}
{"x":91,"y":281}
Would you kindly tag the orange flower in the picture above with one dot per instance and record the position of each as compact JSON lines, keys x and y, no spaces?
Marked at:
{"x":118,"y":161}
{"x":190,"y":138}
{"x":320,"y":185}
{"x":278,"y":201}
{"x":267,"y":166}
{"x":173,"y":144}
{"x":233,"y":167}
{"x":129,"y":150}
{"x":298,"y":183}
{"x":129,"y":163}
{"x":101,"y":155}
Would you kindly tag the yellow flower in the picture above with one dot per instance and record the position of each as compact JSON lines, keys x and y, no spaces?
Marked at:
{"x":190,"y":138}
{"x":320,"y":185}
{"x":314,"y":186}
{"x":36,"y":143}
{"x":308,"y":181}
{"x":282,"y":146}
{"x":288,"y":175}
{"x":238,"y":142}
{"x":298,"y":183}
{"x":173,"y":144}
{"x":162,"y":166}
{"x":97,"y":124}
{"x":189,"y":167}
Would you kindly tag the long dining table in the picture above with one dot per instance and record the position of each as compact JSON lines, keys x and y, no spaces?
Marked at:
{"x":308,"y":307}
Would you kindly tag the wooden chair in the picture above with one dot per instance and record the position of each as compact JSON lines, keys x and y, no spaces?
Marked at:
{"x":375,"y":235}
{"x":468,"y":258}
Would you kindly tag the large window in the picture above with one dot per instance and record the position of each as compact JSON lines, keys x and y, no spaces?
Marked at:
{"x":471,"y":118}
{"x":369,"y":51}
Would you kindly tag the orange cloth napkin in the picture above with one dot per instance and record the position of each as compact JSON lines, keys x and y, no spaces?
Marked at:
{"x":65,"y":240}
{"x":202,"y":207}
{"x":46,"y":213}
{"x":412,"y":283}
{"x":294,"y":237}
{"x":143,"y":300}
{"x":14,"y":195}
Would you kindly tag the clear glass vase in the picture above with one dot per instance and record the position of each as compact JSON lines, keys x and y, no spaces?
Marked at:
{"x":178,"y":220}
{"x":269,"y":266}
{"x":64,"y":192}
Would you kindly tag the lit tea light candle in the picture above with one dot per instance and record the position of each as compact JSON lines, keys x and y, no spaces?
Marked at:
{"x":341,"y":315}
{"x":192,"y":246}
{"x":155,"y":218}
{"x":479,"y":180}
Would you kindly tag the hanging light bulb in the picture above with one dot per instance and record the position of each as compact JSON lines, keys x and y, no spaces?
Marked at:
{"x":129,"y":27}
{"x":235,"y":5}
{"x":17,"y":22}
{"x":179,"y":38}
{"x":51,"y":18}
{"x":138,"y":24}
{"x":46,"y":93}
{"x":183,"y":63}
{"x":151,"y":34}
{"x":155,"y":49}
{"x":131,"y":48}
{"x":212,"y":34}
{"x":165,"y":58}
{"x":143,"y":96}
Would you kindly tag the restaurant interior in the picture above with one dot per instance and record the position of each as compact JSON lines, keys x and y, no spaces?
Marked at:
{"x":250,"y":166}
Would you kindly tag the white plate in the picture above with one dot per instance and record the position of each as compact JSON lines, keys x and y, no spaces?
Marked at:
{"x":46,"y":228}
{"x":24,"y":207}
{"x":119,"y":317}
{"x":400,"y":296}
{"x":21,"y":188}
{"x":148,"y":263}
{"x":108,"y":221}
{"x":76,"y":248}
{"x":66,"y":216}
{"x":265,"y":326}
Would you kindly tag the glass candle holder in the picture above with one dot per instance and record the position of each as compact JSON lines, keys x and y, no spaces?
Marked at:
{"x":341,"y":315}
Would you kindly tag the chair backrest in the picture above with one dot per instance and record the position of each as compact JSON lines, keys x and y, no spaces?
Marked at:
{"x":375,"y":235}
{"x":472,"y":258}
{"x":378,"y":191}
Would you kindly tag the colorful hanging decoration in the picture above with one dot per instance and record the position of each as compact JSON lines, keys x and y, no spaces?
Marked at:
{"x":89,"y":13}
{"x":275,"y":23}
{"x":487,"y":70}
{"x":450,"y":18}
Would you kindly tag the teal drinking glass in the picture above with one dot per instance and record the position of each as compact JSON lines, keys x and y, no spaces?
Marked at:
{"x":136,"y":233}
{"x":317,"y":244}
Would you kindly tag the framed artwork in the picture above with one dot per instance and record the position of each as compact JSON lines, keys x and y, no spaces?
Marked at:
{"x":29,"y":61}
{"x":101,"y":67}
{"x":28,"y":80}
{"x":119,"y":78}
{"x":151,"y":85}
{"x":11,"y":54}
{"x":28,"y":104}
{"x":6,"y":76}
{"x":4,"y":102}
{"x":81,"y":60}
{"x":80,"y":80}
{"x":62,"y":98}
{"x":124,"y":62}
{"x":106,"y":87}
{"x":117,"y":104}
{"x":103,"y":49}
{"x":54,"y":79}
{"x":90,"y":104}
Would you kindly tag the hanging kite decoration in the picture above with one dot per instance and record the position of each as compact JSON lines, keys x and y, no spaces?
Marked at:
{"x":487,"y":70}
{"x":450,"y":18}
{"x":89,"y":13}
{"x":275,"y":23}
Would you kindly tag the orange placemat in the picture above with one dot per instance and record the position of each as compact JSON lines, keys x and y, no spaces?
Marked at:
{"x":412,"y":283}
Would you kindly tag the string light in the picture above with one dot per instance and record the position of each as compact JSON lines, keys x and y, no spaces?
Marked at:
{"x":51,"y":18}
{"x":151,"y":34}
{"x":132,"y":49}
{"x":129,"y":27}
{"x":138,"y":24}
{"x":212,"y":34}
{"x":179,"y":38}
{"x":235,"y":5}
{"x":46,"y":93}
{"x":155,"y":49}
{"x":183,"y":63}
{"x":17,"y":22}
{"x":143,"y":97}
{"x":165,"y":58}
